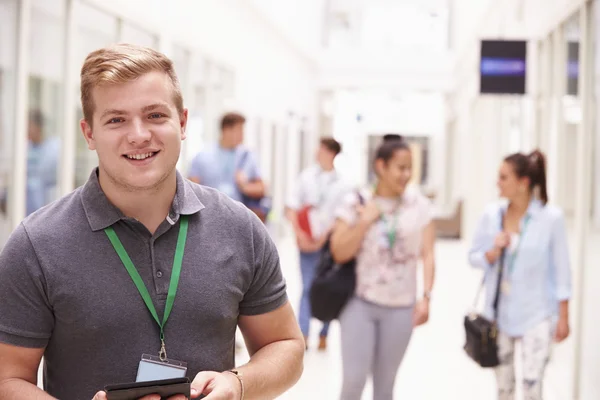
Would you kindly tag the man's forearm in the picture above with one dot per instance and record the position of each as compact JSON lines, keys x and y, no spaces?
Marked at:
{"x":273,"y":369}
{"x":15,"y":389}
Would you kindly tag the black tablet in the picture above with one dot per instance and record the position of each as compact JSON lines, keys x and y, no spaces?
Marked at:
{"x":133,"y":391}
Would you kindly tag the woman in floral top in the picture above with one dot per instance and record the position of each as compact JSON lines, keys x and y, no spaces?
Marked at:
{"x":387,"y":236}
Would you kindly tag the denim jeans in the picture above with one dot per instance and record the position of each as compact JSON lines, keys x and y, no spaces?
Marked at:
{"x":308,"y":265}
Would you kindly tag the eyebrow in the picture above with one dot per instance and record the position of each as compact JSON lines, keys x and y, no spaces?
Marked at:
{"x":113,"y":112}
{"x":121,"y":112}
{"x":154,"y":106}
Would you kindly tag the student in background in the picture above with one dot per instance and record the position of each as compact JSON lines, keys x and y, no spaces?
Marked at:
{"x":536,"y":281}
{"x":42,"y":162}
{"x":316,"y":193}
{"x":388,"y":236}
{"x":229,"y":166}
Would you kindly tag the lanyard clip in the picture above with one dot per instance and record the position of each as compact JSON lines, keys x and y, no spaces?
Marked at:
{"x":162,"y":354}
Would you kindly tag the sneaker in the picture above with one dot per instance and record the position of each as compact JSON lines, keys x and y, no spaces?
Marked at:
{"x":323,"y":343}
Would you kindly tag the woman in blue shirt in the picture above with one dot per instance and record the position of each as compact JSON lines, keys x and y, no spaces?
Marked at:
{"x":536,"y":280}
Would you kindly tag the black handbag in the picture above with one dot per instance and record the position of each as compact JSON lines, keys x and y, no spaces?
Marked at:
{"x":333,"y":284}
{"x":481,"y":334}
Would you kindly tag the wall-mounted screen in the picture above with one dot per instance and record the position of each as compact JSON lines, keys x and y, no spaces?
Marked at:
{"x":503,"y":67}
{"x":572,"y":68}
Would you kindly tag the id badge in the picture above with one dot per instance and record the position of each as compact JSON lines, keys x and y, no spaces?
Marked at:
{"x":384,"y":241}
{"x":151,"y":368}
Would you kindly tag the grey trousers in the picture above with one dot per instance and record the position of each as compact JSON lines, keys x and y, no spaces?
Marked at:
{"x":374,"y":340}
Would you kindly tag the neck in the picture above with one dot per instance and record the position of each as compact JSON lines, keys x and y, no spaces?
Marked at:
{"x":520,"y":204}
{"x":226,"y":145}
{"x":327,"y":166}
{"x":150,"y":206}
{"x":384,"y":191}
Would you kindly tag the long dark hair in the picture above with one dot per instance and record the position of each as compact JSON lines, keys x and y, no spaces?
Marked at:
{"x":532,"y":166}
{"x":390,"y":145}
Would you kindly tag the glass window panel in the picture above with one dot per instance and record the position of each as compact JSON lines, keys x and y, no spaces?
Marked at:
{"x":196,"y":102}
{"x":8,"y":51}
{"x":46,"y":66}
{"x":571,"y":114}
{"x":181,"y":60}
{"x":95,"y":29}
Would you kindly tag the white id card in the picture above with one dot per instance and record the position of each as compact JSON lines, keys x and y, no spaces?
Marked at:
{"x":151,"y":368}
{"x":384,"y":239}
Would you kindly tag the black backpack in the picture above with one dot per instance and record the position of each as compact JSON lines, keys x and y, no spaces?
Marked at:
{"x":333,"y":284}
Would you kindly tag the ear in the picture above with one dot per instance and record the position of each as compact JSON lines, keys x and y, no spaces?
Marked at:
{"x":88,"y":135}
{"x":183,"y":119}
{"x":526,"y":182}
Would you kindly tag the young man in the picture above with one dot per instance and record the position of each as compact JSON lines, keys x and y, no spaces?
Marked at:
{"x":228,"y":166}
{"x":317,"y":192}
{"x":70,"y":290}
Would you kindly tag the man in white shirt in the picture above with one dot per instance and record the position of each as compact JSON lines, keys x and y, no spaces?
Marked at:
{"x":311,"y":210}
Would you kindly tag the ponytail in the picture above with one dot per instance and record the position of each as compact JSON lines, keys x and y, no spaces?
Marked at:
{"x":537,"y":174}
{"x":532,"y":166}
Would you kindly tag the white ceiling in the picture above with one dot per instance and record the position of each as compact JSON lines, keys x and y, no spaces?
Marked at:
{"x":368,"y":42}
{"x":388,"y":23}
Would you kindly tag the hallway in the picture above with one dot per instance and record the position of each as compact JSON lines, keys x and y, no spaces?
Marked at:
{"x":435,"y":367}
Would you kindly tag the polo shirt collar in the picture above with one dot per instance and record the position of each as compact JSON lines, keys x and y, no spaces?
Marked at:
{"x":101,"y":213}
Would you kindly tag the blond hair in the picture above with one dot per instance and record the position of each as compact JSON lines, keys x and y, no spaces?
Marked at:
{"x":123,"y":63}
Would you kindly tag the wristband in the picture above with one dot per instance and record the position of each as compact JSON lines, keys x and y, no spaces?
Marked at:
{"x":237,"y":374}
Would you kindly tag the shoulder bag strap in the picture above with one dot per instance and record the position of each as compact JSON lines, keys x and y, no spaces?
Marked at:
{"x":500,"y":270}
{"x":242,"y":160}
{"x":361,"y":199}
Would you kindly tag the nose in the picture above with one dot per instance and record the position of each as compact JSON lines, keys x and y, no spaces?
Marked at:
{"x":138,"y":133}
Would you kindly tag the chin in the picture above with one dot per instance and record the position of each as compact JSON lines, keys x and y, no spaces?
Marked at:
{"x":151,"y":180}
{"x":139,"y":181}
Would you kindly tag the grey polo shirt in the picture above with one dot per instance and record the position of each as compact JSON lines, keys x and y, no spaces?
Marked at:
{"x":64,"y":287}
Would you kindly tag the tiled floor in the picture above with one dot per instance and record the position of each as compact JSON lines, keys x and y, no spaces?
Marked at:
{"x":435,"y":366}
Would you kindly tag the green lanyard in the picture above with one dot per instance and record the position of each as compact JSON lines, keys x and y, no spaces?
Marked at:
{"x":139,"y":283}
{"x":513,"y":257}
{"x":392,"y":227}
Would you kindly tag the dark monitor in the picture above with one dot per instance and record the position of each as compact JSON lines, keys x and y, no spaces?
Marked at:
{"x":503,"y":67}
{"x":572,"y":68}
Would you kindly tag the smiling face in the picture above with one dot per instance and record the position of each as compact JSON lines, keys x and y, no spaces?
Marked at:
{"x":396,"y":172}
{"x":136,"y":131}
{"x":510,"y":185}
